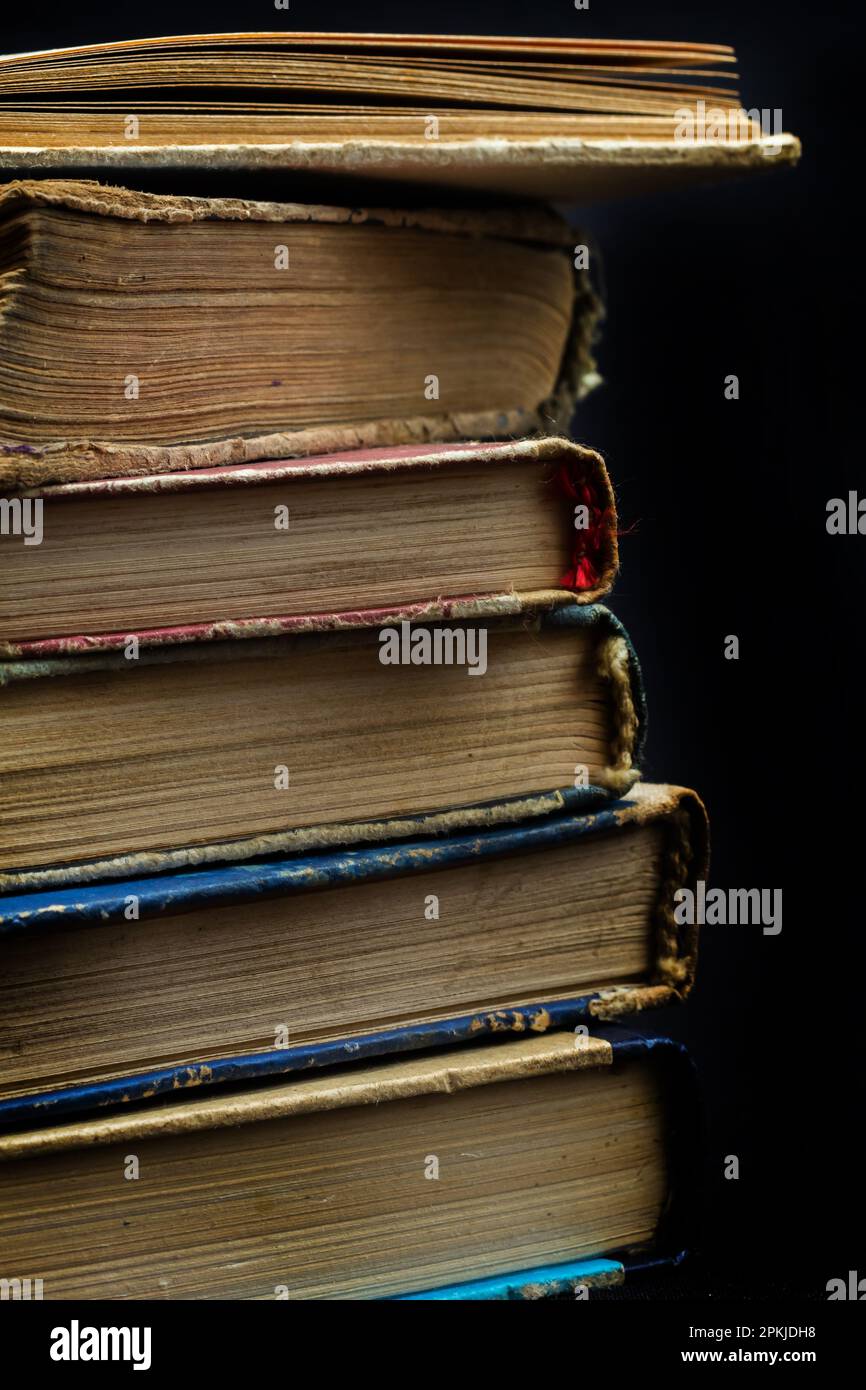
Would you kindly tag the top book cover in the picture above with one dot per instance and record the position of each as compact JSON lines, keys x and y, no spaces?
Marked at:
{"x":531,"y":117}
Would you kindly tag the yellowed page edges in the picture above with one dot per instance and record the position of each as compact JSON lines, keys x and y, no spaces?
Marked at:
{"x":481,"y":1066}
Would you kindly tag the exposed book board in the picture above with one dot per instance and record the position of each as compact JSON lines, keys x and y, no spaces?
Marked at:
{"x":237,"y":745}
{"x":552,"y":117}
{"x":143,"y":333}
{"x":414,"y":532}
{"x":324,"y":1187}
{"x":350,"y":955}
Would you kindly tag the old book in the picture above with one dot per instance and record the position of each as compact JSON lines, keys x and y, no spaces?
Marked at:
{"x":306,"y":962}
{"x":142,"y":333}
{"x":412,"y":532}
{"x":558,"y":117}
{"x":546,"y":1150}
{"x":241,"y":748}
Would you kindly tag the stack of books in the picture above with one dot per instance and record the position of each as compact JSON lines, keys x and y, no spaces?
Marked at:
{"x":327,"y":876}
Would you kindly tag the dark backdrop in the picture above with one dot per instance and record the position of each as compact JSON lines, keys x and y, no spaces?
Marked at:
{"x":725,"y":502}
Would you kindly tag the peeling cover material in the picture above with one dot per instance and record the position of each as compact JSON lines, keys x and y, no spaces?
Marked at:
{"x":675,"y":951}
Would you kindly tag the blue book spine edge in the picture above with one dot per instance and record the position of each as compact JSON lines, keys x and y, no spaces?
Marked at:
{"x":45,"y":1106}
{"x":525,"y":1284}
{"x":105,"y":903}
{"x":543,"y":1281}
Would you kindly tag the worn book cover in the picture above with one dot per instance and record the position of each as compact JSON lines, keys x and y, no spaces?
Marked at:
{"x":569,"y":118}
{"x":143,"y":333}
{"x":336,"y":542}
{"x":214,"y":752}
{"x":376,"y":1181}
{"x":318,"y":960}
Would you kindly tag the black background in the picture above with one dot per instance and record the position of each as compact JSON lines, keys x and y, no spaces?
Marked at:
{"x":724,"y":503}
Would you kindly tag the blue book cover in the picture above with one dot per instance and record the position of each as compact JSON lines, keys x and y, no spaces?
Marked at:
{"x":102,"y":981}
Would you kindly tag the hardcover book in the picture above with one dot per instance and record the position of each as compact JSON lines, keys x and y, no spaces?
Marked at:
{"x":370,"y":1182}
{"x":325,"y":959}
{"x":326,"y":869}
{"x":123,"y":763}
{"x":144,"y":333}
{"x":415,"y":532}
{"x":567,"y":118}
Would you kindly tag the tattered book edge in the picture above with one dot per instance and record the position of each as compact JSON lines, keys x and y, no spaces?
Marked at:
{"x":461,"y":608}
{"x":26,"y":466}
{"x":587,"y":1011}
{"x":671,"y":980}
{"x":388,"y":1081}
{"x":406,"y":458}
{"x":375,"y":462}
{"x":565,"y":167}
{"x":567,"y":819}
{"x":308,"y":840}
{"x":618,"y":665}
